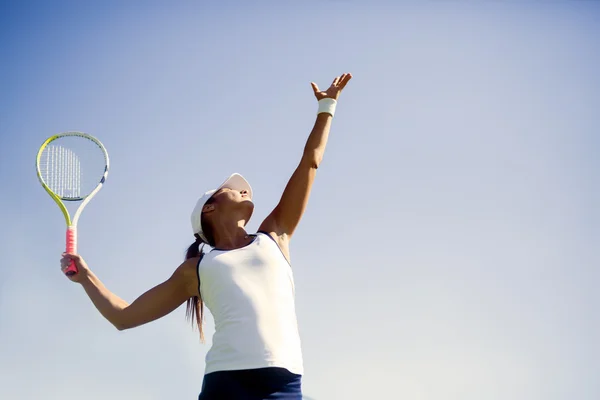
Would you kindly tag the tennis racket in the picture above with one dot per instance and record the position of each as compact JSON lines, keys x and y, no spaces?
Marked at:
{"x":72,"y":167}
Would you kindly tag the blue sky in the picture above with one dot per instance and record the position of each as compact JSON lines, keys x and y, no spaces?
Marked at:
{"x":448,"y":248}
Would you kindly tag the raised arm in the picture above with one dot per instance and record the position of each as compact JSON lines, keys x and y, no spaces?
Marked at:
{"x":154,"y":304}
{"x":284,"y":219}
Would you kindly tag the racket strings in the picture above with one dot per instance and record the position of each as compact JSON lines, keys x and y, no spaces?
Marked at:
{"x":61,"y":170}
{"x":73,"y":166}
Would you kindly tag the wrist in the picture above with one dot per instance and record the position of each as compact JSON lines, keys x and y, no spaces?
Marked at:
{"x":327,"y":106}
{"x":87,"y":278}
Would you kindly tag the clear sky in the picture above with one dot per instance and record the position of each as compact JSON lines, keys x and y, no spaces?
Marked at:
{"x":450,"y":248}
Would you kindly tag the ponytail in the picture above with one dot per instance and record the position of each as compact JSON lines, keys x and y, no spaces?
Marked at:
{"x":195,"y":306}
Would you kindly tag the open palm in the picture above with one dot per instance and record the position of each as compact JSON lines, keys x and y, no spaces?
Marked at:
{"x":334,"y":90}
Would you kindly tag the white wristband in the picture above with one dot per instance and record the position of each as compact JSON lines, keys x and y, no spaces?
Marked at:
{"x":327,"y":105}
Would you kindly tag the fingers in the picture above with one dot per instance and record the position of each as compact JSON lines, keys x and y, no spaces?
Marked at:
{"x":64,"y":264}
{"x":74,"y":257}
{"x":67,"y":259}
{"x":344,"y":79}
{"x":338,"y":84}
{"x":315,"y":87}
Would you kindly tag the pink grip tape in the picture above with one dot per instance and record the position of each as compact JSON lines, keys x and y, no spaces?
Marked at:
{"x":71,"y":249}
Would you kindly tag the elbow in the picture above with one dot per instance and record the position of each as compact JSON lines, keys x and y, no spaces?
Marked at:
{"x":121,"y":326}
{"x":123,"y":320}
{"x":313,"y":158}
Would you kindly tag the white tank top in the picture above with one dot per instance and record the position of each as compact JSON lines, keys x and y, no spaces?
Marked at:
{"x":250,"y":293}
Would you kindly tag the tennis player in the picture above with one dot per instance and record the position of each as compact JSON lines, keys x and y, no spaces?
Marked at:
{"x":245,"y":280}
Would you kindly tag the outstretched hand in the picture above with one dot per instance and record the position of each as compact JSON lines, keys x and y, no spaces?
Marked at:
{"x":334,"y":91}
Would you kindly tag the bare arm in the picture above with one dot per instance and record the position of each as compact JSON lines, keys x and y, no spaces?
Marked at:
{"x":152,"y":305}
{"x":284,"y":219}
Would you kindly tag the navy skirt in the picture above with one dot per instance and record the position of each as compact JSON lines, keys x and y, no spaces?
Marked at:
{"x":252,"y":384}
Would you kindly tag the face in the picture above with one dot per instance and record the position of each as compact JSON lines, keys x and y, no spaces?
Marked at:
{"x":228,"y":200}
{"x":226,"y":195}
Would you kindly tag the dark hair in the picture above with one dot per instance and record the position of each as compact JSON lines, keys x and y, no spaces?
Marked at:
{"x":195,"y":306}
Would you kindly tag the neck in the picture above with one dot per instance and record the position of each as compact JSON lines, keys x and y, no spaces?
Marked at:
{"x":230,"y":236}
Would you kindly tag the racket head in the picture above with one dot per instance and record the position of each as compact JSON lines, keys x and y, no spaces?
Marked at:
{"x":72,"y":165}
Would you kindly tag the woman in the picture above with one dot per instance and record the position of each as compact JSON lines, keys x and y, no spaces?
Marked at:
{"x":246,"y":280}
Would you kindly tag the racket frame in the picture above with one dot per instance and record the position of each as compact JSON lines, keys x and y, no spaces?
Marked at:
{"x":71,"y":234}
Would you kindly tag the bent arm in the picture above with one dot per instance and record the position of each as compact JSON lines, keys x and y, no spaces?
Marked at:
{"x":152,"y":305}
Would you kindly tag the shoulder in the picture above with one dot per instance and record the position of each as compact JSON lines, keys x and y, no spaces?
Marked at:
{"x":187,"y":270}
{"x":282,"y":241}
{"x":187,"y":275}
{"x":272,"y":236}
{"x":188,"y":266}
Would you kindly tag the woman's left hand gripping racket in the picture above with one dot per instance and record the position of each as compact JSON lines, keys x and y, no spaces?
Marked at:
{"x":72,"y":166}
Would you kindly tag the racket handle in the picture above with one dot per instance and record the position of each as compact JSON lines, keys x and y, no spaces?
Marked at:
{"x":71,"y":249}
